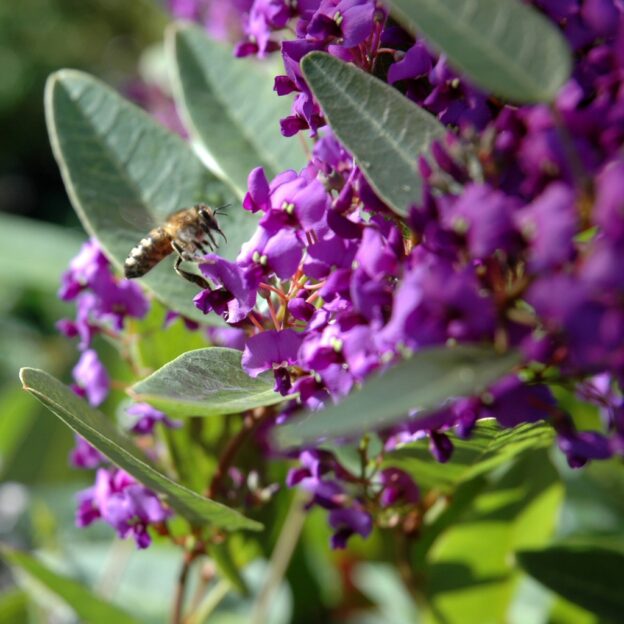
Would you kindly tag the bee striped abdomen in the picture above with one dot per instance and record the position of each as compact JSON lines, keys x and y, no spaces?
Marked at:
{"x":148,"y":253}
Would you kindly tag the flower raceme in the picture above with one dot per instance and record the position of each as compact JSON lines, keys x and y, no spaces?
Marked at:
{"x":516,"y":243}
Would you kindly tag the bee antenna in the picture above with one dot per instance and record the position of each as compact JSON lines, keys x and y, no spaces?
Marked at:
{"x":217,"y":210}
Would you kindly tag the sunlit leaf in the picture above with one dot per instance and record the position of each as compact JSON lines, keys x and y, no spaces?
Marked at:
{"x":587,"y":574}
{"x":488,"y":446}
{"x":470,"y":566}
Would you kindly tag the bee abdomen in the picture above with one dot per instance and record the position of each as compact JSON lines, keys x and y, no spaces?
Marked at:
{"x":148,"y":253}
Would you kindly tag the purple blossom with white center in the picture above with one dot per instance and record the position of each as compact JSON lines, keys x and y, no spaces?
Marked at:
{"x":271,"y":350}
{"x":117,"y":499}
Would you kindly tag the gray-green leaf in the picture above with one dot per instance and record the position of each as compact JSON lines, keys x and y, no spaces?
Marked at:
{"x":488,"y":447}
{"x":230,"y":107}
{"x":92,"y":425}
{"x":87,"y":606}
{"x":205,"y":382}
{"x":503,"y":46}
{"x":385,"y":132}
{"x":116,"y":162}
{"x":424,"y":381}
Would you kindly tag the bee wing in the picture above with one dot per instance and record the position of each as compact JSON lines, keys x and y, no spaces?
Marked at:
{"x":139,"y":219}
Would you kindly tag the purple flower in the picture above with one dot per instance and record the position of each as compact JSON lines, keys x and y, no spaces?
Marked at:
{"x":485,"y":217}
{"x":89,"y":269}
{"x":397,"y":487}
{"x":91,"y":378}
{"x":147,"y":417}
{"x":415,"y":64}
{"x":270,"y":349}
{"x":83,"y":455}
{"x":349,"y":22}
{"x":440,"y":446}
{"x":236,"y":297}
{"x":117,"y":499}
{"x":513,"y":402}
{"x":347,"y":522}
{"x":550,"y":223}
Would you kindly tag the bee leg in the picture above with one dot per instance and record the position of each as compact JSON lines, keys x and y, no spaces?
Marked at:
{"x":213,"y":242}
{"x":191,"y":277}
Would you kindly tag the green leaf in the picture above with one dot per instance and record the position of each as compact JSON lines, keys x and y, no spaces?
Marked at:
{"x":205,"y":382}
{"x":503,"y":46}
{"x":230,"y":107}
{"x":116,"y":162}
{"x":470,"y":567}
{"x":13,"y":606}
{"x":98,"y":431}
{"x":50,"y":248}
{"x":587,"y":574}
{"x":488,"y":447}
{"x":86,"y":605}
{"x":423,"y":381}
{"x":385,"y":132}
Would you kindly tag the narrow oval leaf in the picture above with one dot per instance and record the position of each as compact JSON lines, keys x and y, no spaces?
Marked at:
{"x":586,"y":574}
{"x":50,"y":248}
{"x":385,"y":132}
{"x":424,"y":381}
{"x":503,"y":46}
{"x":230,"y":107}
{"x":488,"y":447}
{"x":87,"y":606}
{"x":124,"y":173}
{"x":206,"y":382}
{"x":92,"y":425}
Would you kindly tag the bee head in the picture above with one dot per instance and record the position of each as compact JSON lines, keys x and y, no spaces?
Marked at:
{"x":208,"y":219}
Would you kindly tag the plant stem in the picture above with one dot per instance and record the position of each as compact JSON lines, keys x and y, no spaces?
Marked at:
{"x":178,"y":603}
{"x":289,"y":536}
{"x":210,"y":603}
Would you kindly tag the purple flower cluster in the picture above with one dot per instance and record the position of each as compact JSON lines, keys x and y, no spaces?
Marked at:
{"x":517,"y":242}
{"x":103,"y":302}
{"x":117,"y":499}
{"x":348,"y":29}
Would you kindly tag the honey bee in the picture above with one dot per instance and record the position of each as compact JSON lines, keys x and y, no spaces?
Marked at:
{"x":187,"y":232}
